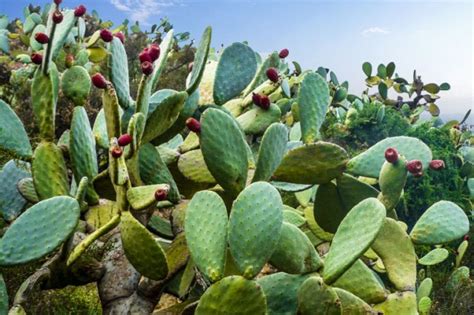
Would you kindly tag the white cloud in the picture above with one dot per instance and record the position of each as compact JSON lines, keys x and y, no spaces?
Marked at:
{"x":141,"y":10}
{"x":374,"y":30}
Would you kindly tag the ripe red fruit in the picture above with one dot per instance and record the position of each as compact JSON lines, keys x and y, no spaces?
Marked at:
{"x":124,"y":140}
{"x":120,"y":36}
{"x":99,"y":81}
{"x":58,"y":2}
{"x":272,"y":74}
{"x":466,"y":237}
{"x":415,"y":166}
{"x":57,"y":17}
{"x":106,"y":35}
{"x":161,"y":194}
{"x":116,"y":152}
{"x":284,"y":53}
{"x":69,"y":61}
{"x":41,"y":38}
{"x":264,"y":102}
{"x":147,"y":68}
{"x":193,"y":124}
{"x":144,"y":56}
{"x":257,"y":99}
{"x":437,"y":165}
{"x":154,"y":52}
{"x":36,"y":58}
{"x":80,"y":10}
{"x":391,"y":155}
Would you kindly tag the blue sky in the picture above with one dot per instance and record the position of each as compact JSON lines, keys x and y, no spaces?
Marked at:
{"x":435,"y":37}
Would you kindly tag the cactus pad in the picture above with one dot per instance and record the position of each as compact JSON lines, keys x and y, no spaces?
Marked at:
{"x":256,"y":120}
{"x":434,"y":257}
{"x":26,"y":187}
{"x":206,"y":233}
{"x":11,"y":201}
{"x":142,"y":197}
{"x":76,"y":84}
{"x":118,"y":71}
{"x":443,"y":222}
{"x":355,"y":234}
{"x":39,"y":231}
{"x":192,"y":166}
{"x":255,"y":227}
{"x":399,"y":303}
{"x":13,"y":137}
{"x":233,"y":295}
{"x":200,"y":59}
{"x":141,"y":248}
{"x":351,"y":304}
{"x":44,"y":104}
{"x":316,"y":298}
{"x":424,"y":289}
{"x":329,"y":210}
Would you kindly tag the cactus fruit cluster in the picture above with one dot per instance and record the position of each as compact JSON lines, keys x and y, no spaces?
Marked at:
{"x":225,"y":194}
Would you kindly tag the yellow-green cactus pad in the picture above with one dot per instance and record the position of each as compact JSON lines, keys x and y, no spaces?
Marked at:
{"x":293,"y":217}
{"x":369,"y":163}
{"x":399,"y":303}
{"x":224,"y":149}
{"x":206,"y":86}
{"x":354,"y":236}
{"x":44,"y":104}
{"x":424,"y":305}
{"x":76,"y":84}
{"x":200,"y":59}
{"x":39,"y":231}
{"x":351,"y":304}
{"x":436,"y":256}
{"x":313,"y":102}
{"x":13,"y":137}
{"x":443,"y":222}
{"x":206,"y":233}
{"x":392,"y":180}
{"x":316,"y":298}
{"x":256,"y":120}
{"x":254,"y":227}
{"x":26,"y":187}
{"x":192,"y":166}
{"x":142,"y":197}
{"x":12,"y":201}
{"x":315,"y":163}
{"x":424,"y":289}
{"x":102,"y":213}
{"x":112,"y":113}
{"x":281,"y":291}
{"x":295,"y":253}
{"x":142,"y":249}
{"x":118,"y":71}
{"x":49,"y":171}
{"x":233,"y":295}
{"x":314,"y":226}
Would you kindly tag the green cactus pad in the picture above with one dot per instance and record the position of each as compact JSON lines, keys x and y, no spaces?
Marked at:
{"x":293,"y":217}
{"x":100,"y":214}
{"x":206,"y":233}
{"x":62,"y":31}
{"x":351,"y":304}
{"x":192,"y":166}
{"x":354,"y":236}
{"x":314,"y":226}
{"x":11,"y":201}
{"x":399,"y":303}
{"x":281,"y":291}
{"x":315,"y":163}
{"x":363,"y":282}
{"x":236,"y":68}
{"x":224,"y":149}
{"x":142,"y":250}
{"x":370,"y":162}
{"x":424,"y":289}
{"x":313,"y":102}
{"x":233,"y":295}
{"x":255,"y":227}
{"x":154,"y":171}
{"x":142,"y":197}
{"x":49,"y":171}
{"x":3,"y":296}
{"x":39,"y":231}
{"x":44,"y":104}
{"x":200,"y":59}
{"x":395,"y":249}
{"x":112,"y":113}
{"x":316,"y":298}
{"x":443,"y":222}
{"x":434,"y":257}
{"x":256,"y":120}
{"x":294,"y":253}
{"x":272,"y":61}
{"x":118,"y":71}
{"x":459,"y":277}
{"x":160,"y":226}
{"x":392,"y":181}
{"x":352,"y":191}
{"x":329,"y":210}
{"x":164,"y":115}
{"x":206,"y":86}
{"x":271,"y":151}
{"x":26,"y":187}
{"x":160,"y":64}
{"x":424,"y":305}
{"x":76,"y":84}
{"x":82,"y":150}
{"x":13,"y":137}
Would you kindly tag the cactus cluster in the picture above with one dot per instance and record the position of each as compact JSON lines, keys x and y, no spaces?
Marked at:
{"x":225,"y":195}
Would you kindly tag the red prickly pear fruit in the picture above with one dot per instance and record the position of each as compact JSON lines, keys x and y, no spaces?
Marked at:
{"x":257,"y":99}
{"x":415,"y":167}
{"x":69,"y":61}
{"x":99,"y":81}
{"x":147,"y":68}
{"x":466,"y":237}
{"x":106,"y":35}
{"x":41,"y":38}
{"x":272,"y":74}
{"x":80,"y":11}
{"x":116,"y":152}
{"x":264,"y":102}
{"x":161,"y":194}
{"x":437,"y":165}
{"x":284,"y":53}
{"x":58,"y":2}
{"x":124,"y":140}
{"x":36,"y":58}
{"x":120,"y":36}
{"x":154,"y":52}
{"x":193,"y":124}
{"x":57,"y":17}
{"x":144,"y":56}
{"x":391,"y":155}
